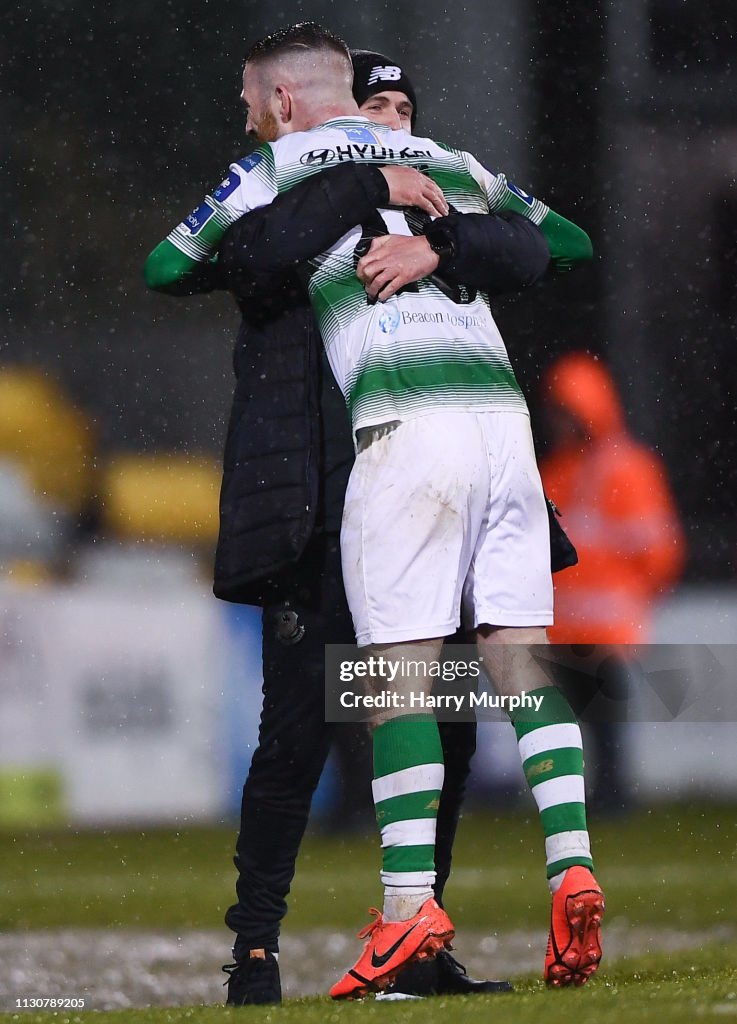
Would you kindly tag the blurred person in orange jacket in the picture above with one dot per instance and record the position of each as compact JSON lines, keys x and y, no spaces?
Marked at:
{"x":620,"y":514}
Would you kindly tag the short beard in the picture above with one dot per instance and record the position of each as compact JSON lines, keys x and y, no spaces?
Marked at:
{"x":267,"y":127}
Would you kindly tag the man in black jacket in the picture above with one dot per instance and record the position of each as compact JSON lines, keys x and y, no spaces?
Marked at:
{"x":287,"y":458}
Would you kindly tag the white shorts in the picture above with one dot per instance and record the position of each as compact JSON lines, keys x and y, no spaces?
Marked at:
{"x":446,"y":510}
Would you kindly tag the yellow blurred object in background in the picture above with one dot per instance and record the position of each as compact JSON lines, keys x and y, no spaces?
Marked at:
{"x":43,"y":433}
{"x":165,"y":497}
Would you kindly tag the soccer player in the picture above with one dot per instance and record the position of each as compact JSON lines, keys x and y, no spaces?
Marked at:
{"x":444,"y":501}
{"x":286,"y":469}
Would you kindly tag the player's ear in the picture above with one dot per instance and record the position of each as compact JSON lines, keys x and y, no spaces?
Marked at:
{"x":285,"y":105}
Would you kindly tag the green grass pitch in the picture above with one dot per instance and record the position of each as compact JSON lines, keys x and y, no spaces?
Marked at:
{"x":672,"y":868}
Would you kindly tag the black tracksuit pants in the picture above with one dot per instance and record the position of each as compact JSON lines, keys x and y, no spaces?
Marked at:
{"x":294,"y":742}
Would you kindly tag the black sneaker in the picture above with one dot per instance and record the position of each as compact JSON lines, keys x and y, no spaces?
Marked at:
{"x":252,"y":981}
{"x":443,"y":976}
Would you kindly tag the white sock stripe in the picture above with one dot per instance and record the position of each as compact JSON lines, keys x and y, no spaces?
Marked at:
{"x":406,"y":890}
{"x":408,"y":878}
{"x":550,"y":737}
{"x":413,"y":832}
{"x":568,"y":789}
{"x":408,"y":780}
{"x":567,"y":844}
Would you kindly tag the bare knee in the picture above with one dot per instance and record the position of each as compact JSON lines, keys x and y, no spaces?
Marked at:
{"x":508,"y":654}
{"x":400,"y":669}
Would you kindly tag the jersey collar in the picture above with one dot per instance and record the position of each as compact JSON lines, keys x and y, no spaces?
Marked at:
{"x":353,"y":120}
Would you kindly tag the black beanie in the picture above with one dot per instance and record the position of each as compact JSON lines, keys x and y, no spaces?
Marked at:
{"x":373,"y":72}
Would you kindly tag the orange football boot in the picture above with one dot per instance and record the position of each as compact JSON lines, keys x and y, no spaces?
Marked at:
{"x":393,"y":945}
{"x":574,"y":946}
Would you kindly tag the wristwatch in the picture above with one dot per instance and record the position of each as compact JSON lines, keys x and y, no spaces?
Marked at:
{"x":440,"y":243}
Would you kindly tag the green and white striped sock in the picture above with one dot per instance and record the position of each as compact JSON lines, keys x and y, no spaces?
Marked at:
{"x":408,"y":778}
{"x":551,"y":750}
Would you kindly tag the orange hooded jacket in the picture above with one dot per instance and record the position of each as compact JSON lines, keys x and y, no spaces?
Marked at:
{"x":617,"y":509}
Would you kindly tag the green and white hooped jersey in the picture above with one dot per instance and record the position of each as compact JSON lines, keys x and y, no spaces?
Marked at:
{"x":419,"y":351}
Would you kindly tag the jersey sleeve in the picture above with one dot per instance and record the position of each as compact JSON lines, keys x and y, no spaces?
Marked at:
{"x":569,"y":245}
{"x":250,"y":184}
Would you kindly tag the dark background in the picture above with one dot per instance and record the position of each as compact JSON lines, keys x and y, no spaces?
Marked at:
{"x":622,"y":115}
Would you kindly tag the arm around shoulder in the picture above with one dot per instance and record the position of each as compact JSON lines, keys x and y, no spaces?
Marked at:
{"x":497,"y":254}
{"x":304,"y":221}
{"x":568,"y":244}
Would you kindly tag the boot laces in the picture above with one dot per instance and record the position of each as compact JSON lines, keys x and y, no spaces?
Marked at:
{"x":370,"y":928}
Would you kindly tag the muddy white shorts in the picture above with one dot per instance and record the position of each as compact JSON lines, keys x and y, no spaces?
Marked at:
{"x":443,"y":512}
